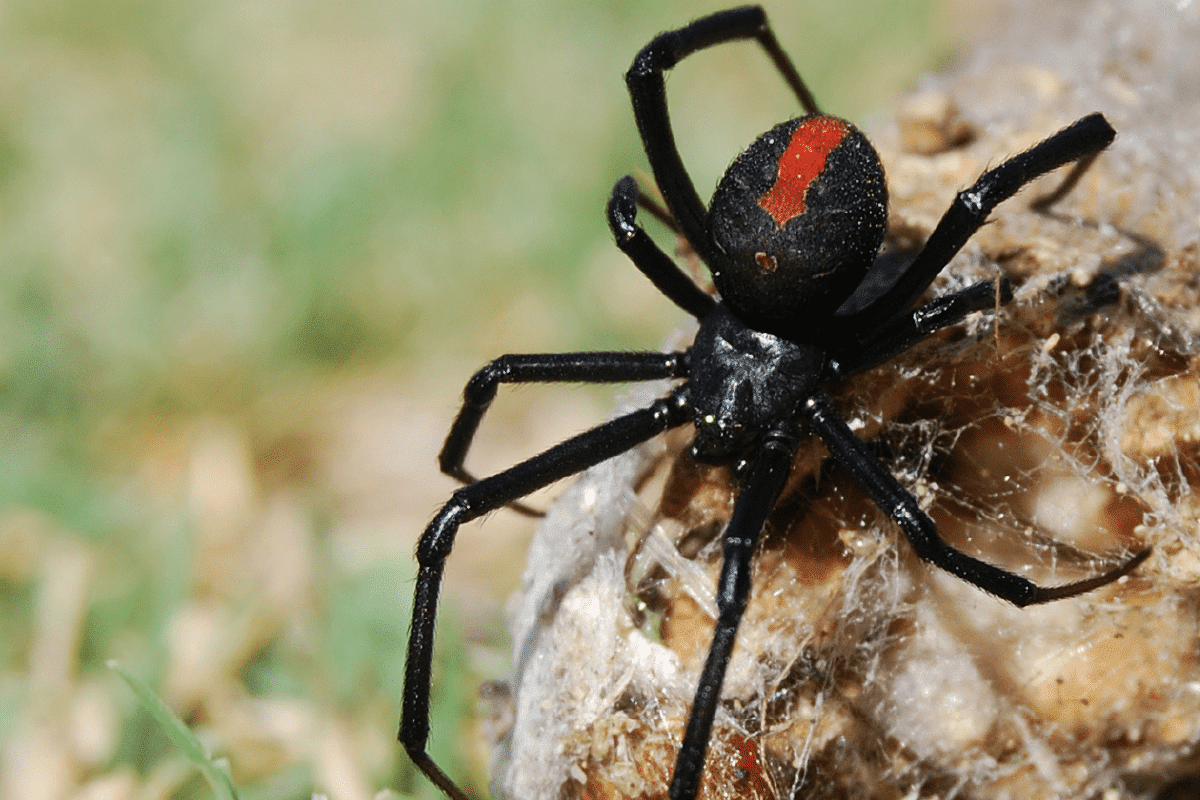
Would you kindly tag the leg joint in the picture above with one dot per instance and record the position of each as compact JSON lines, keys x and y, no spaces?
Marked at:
{"x":438,"y":539}
{"x":481,"y":389}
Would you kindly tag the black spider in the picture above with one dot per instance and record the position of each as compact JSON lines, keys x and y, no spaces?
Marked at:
{"x":794,"y":226}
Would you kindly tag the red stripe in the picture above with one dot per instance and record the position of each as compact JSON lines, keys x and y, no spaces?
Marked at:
{"x":801,"y":163}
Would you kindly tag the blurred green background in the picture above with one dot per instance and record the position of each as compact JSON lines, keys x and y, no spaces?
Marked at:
{"x":249,"y":254}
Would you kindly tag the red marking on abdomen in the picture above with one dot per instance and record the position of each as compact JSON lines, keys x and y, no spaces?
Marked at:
{"x":801,"y":163}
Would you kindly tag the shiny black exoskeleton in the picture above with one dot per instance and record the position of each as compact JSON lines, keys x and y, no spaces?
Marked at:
{"x":782,"y":278}
{"x":742,"y":382}
{"x":793,"y":228}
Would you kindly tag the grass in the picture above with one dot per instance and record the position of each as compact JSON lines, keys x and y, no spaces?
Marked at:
{"x":215,"y":771}
{"x":248,"y":255}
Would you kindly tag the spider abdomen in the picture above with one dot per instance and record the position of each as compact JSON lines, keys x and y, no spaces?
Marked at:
{"x":796,"y":222}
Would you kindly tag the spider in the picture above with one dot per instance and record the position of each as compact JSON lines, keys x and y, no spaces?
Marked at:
{"x":794,"y":226}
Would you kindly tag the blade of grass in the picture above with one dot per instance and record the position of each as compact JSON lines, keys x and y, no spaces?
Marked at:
{"x":213,"y":771}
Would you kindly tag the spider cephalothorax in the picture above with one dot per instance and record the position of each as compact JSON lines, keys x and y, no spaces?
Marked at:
{"x":794,"y":227}
{"x":743,"y":381}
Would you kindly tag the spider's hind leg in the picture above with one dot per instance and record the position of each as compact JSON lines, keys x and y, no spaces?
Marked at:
{"x":647,"y":90}
{"x":1079,"y":142}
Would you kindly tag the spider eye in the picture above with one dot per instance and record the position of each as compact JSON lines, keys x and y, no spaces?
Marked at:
{"x":797,"y":221}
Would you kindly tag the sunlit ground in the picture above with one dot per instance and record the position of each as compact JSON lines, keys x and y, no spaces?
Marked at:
{"x":249,"y":254}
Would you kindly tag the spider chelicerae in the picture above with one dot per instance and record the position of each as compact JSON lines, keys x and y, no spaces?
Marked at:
{"x":794,"y":226}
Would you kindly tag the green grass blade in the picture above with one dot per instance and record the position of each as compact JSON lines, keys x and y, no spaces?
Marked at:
{"x":213,"y":771}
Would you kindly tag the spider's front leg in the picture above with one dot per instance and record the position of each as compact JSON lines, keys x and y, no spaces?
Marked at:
{"x":853,"y":456}
{"x":470,"y":502}
{"x":771,"y":464}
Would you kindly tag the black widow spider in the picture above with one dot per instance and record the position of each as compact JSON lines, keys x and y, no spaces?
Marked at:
{"x":794,"y":226}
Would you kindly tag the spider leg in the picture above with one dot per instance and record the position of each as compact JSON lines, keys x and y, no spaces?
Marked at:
{"x":480,"y":391}
{"x":772,"y":464}
{"x":1081,"y":140}
{"x":651,"y":205}
{"x":656,"y":265}
{"x":900,"y":333}
{"x":567,"y":458}
{"x":648,"y":92}
{"x":853,"y":456}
